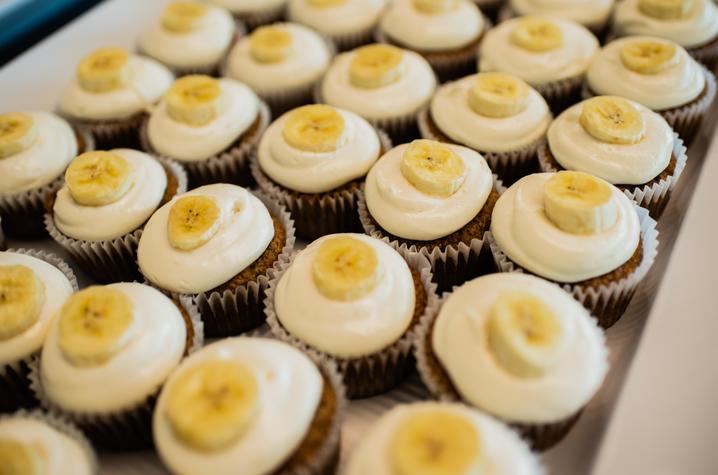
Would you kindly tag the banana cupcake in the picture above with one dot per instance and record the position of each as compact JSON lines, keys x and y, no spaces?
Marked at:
{"x":191,"y":37}
{"x":111,"y":94}
{"x":254,"y":13}
{"x":358,"y":302}
{"x":435,"y":199}
{"x":446,"y":438}
{"x":220,"y":244}
{"x":35,"y":149}
{"x":99,"y":213}
{"x":593,"y":14}
{"x":314,"y":159}
{"x":657,"y":73}
{"x":33,"y":287}
{"x":496,"y":114}
{"x":106,"y":356}
{"x":550,"y":54}
{"x":517,"y":347}
{"x":622,"y":142}
{"x":446,"y":33}
{"x":579,"y":231}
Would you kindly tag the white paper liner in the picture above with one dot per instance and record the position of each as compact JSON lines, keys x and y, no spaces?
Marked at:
{"x":109,"y":133}
{"x":561,"y":94}
{"x":255,"y":19}
{"x":350,"y":41}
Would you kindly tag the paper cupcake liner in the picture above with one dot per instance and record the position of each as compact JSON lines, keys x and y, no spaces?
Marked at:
{"x":255,"y":19}
{"x":350,"y":41}
{"x":111,"y":134}
{"x":3,"y":245}
{"x":490,"y":8}
{"x":706,"y":54}
{"x":111,"y":260}
{"x":600,"y":31}
{"x":561,"y":94}
{"x":376,"y":373}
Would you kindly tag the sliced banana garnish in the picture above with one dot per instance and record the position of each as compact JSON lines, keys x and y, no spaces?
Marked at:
{"x":498,"y":95}
{"x":17,"y":458}
{"x":649,"y":56}
{"x":95,"y":324}
{"x":192,"y":221}
{"x":104,"y":70}
{"x":210,"y":405}
{"x":433,"y":168}
{"x":22,"y":295}
{"x":579,"y":203}
{"x":181,"y":17}
{"x":271,"y":44}
{"x":17,"y":133}
{"x":98,"y":178}
{"x":435,"y":6}
{"x":194,"y":100}
{"x":666,"y":9}
{"x":537,"y":34}
{"x":345,"y":268}
{"x":613,"y":120}
{"x":315,"y":128}
{"x":376,"y":65}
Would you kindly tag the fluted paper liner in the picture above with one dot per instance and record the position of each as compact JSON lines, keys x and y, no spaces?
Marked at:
{"x":505,"y":12}
{"x":111,"y":133}
{"x":706,"y":54}
{"x":350,"y":41}
{"x":256,"y":19}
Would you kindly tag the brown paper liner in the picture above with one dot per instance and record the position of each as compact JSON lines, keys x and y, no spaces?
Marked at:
{"x":350,"y":41}
{"x":112,"y":133}
{"x":706,"y":54}
{"x":257,"y":19}
{"x":490,"y":8}
{"x":3,"y":245}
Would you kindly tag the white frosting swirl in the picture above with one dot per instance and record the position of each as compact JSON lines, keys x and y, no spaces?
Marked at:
{"x":249,"y":6}
{"x":44,"y":160}
{"x":353,"y":328}
{"x":675,"y":86}
{"x":310,"y":172}
{"x":460,"y":342}
{"x":527,"y":236}
{"x":404,"y":211}
{"x":698,"y":27}
{"x":289,"y":393}
{"x":99,"y":223}
{"x":158,"y":343}
{"x":590,"y":13}
{"x":245,"y":231}
{"x":452,"y":29}
{"x":631,"y":164}
{"x":451,"y":112}
{"x":148,"y":81}
{"x":344,"y":18}
{"x":571,"y":59}
{"x":57,"y":290}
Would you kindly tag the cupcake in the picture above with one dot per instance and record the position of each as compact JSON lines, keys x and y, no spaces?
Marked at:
{"x":111,"y":93}
{"x":219,"y":244}
{"x":106,"y":356}
{"x":658,"y":74}
{"x":517,"y":347}
{"x":447,"y":34}
{"x":348,"y":23}
{"x":358,"y":302}
{"x":550,"y":54}
{"x":692,"y":24}
{"x":619,"y":141}
{"x":190,"y":37}
{"x":282,"y":63}
{"x":253,"y":403}
{"x":578,"y":231}
{"x":254,"y":13}
{"x":35,"y":149}
{"x":434,"y":437}
{"x":386,"y":85}
{"x":496,"y":114}
{"x":435,"y":199}
{"x":98,"y":214}
{"x":313,"y":160}
{"x":593,"y":14}
{"x":33,"y":287}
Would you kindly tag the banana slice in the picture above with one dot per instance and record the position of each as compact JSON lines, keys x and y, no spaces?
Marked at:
{"x":525,"y":336}
{"x":666,"y":9}
{"x":436,"y":442}
{"x":17,"y":133}
{"x":192,"y":221}
{"x":194,"y":100}
{"x":376,"y":65}
{"x":210,"y":405}
{"x":270,"y":44}
{"x":498,"y":95}
{"x":579,"y":203}
{"x":612,"y":119}
{"x":98,"y":178}
{"x":22,"y":295}
{"x":345,"y":268}
{"x":315,"y":128}
{"x":648,"y":56}
{"x":435,"y":6}
{"x":17,"y":458}
{"x":433,"y":168}
{"x":537,"y":35}
{"x":95,"y":324}
{"x":181,"y":17}
{"x":104,"y":70}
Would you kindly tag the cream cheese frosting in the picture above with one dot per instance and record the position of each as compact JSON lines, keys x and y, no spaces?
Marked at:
{"x":249,"y":6}
{"x":460,"y":343}
{"x":527,"y":236}
{"x":675,"y":86}
{"x":696,"y":28}
{"x":343,"y":18}
{"x":44,"y":161}
{"x":57,"y":290}
{"x":347,"y":328}
{"x":449,"y":30}
{"x":500,"y":446}
{"x":289,"y":392}
{"x":156,"y":347}
{"x":148,"y":81}
{"x":571,"y":59}
{"x":99,"y":223}
{"x":245,"y":231}
{"x":451,"y":112}
{"x":404,"y":211}
{"x":590,"y":13}
{"x":624,"y":164}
